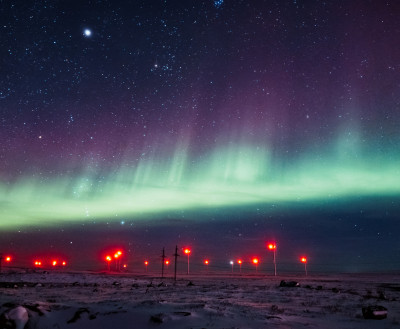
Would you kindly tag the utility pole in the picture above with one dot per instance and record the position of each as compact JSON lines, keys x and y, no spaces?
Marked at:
{"x":162,"y":264}
{"x":176,"y":261}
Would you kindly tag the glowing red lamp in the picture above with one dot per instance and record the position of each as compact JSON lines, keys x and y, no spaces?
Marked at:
{"x":167,"y":262}
{"x":271,"y":246}
{"x":54,"y":263}
{"x":64,"y":263}
{"x":37,"y":263}
{"x":8,"y":259}
{"x":206,"y":262}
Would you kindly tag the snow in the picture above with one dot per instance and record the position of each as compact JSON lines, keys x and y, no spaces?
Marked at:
{"x":103,"y":300}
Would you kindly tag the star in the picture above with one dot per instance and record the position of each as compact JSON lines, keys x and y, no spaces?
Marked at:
{"x":87,"y":32}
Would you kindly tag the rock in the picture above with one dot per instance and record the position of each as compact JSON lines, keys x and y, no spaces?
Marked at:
{"x":289,"y":284}
{"x":78,"y":314}
{"x":15,"y":318}
{"x":335,"y":290}
{"x":381,"y":295}
{"x":182,"y":313}
{"x":39,"y":308}
{"x":190,"y":284}
{"x":159,"y":318}
{"x":376,"y":312}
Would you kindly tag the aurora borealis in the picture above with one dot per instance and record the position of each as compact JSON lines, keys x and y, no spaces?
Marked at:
{"x":201,"y":118}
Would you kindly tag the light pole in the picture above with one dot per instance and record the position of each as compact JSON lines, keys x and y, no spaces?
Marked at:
{"x":187,"y":251}
{"x":255,"y":262}
{"x":167,"y":264}
{"x":304,"y":261}
{"x":240,"y":265}
{"x":272,"y":247}
{"x":231,"y":262}
{"x":108,"y":260}
{"x":117,"y":256}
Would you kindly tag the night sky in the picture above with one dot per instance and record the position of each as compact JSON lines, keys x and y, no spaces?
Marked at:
{"x":219,"y":125}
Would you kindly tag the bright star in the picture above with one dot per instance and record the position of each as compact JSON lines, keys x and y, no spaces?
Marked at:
{"x":87,"y":32}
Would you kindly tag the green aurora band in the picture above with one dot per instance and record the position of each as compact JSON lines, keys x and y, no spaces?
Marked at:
{"x":237,"y":175}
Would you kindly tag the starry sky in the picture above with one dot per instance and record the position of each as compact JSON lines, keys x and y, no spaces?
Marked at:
{"x":213,"y":124}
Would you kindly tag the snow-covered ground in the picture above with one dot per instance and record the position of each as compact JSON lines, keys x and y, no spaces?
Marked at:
{"x":118,"y":301}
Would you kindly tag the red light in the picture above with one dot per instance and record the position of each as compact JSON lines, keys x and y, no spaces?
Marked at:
{"x":206,"y":262}
{"x":125,"y":266}
{"x":187,"y":251}
{"x":146,"y":263}
{"x":8,"y":259}
{"x":64,"y":263}
{"x":239,"y":261}
{"x":303,"y":259}
{"x":255,"y":260}
{"x":119,"y":253}
{"x":167,"y":262}
{"x":108,"y":258}
{"x":54,"y":263}
{"x":116,"y":255}
{"x":38,"y":263}
{"x":271,"y":246}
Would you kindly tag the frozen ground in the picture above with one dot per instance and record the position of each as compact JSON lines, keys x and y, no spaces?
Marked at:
{"x":101,"y":300}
